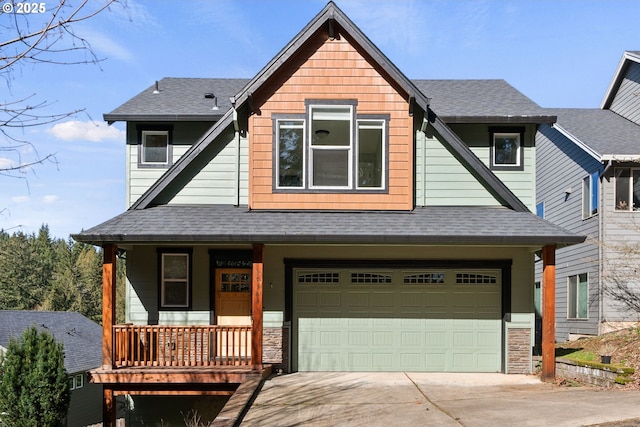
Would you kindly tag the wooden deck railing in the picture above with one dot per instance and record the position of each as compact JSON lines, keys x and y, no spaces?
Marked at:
{"x":188,"y":346}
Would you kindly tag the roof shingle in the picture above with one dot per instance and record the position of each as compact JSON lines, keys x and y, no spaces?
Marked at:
{"x":81,"y":337}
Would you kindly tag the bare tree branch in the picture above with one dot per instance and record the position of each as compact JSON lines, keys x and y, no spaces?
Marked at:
{"x":44,"y":38}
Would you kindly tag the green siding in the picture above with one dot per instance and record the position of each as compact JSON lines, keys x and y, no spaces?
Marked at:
{"x":216,"y":183}
{"x":441,"y":180}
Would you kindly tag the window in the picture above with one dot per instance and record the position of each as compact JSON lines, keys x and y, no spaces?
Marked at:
{"x":577,"y":299}
{"x":330,"y":149}
{"x":627,"y":189}
{"x":155,"y":147}
{"x":175,"y":278}
{"x":590,"y":195}
{"x":540,"y":209}
{"x":506,"y":148}
{"x":76,"y":381}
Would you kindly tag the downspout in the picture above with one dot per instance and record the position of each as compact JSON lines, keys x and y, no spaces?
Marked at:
{"x":236,"y":127}
{"x":600,"y":240}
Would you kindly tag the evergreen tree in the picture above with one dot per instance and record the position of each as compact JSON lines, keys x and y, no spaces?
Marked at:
{"x":34,"y":387}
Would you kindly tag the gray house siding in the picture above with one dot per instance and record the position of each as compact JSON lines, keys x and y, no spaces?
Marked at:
{"x":620,"y":232}
{"x":626,"y":101}
{"x":562,"y":166}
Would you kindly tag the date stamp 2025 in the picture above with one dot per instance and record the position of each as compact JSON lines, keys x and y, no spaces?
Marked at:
{"x":23,"y":8}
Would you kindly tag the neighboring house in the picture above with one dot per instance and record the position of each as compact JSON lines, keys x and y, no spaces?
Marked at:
{"x":332,"y":215}
{"x":82,"y":341}
{"x":588,"y":181}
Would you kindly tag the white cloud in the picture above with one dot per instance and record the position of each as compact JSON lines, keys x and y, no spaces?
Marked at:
{"x":5,"y":163}
{"x":105,"y":45}
{"x":20,"y":199}
{"x":74,"y":130}
{"x":50,"y":198}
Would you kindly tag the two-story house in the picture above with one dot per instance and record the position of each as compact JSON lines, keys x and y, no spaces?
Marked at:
{"x":588,"y":181}
{"x":328,"y":214}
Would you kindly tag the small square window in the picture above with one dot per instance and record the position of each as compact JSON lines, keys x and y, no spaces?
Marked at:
{"x":507,"y":148}
{"x":155,"y":148}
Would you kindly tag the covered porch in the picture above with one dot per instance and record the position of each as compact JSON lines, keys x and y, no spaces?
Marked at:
{"x":176,"y":359}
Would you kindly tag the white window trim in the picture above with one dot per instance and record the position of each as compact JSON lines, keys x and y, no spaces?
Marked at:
{"x":373,"y":124}
{"x":629,"y":195}
{"x":577,"y":276}
{"x":515,"y":135}
{"x":587,"y":194}
{"x":304,"y":154}
{"x":349,"y":148}
{"x":143,"y":137}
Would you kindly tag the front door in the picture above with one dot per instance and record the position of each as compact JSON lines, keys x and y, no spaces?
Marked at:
{"x":233,"y":296}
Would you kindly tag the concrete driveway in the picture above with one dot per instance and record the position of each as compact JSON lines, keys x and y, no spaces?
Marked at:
{"x":433,"y":399}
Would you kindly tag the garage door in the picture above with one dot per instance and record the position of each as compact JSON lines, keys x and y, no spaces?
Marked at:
{"x":422,"y":320}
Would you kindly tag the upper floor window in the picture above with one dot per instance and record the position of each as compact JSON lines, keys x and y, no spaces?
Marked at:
{"x":175,"y":278}
{"x":627,"y":190}
{"x":330,"y":149}
{"x":155,"y":147}
{"x":590,"y":195}
{"x":506,"y":148}
{"x":540,"y":209}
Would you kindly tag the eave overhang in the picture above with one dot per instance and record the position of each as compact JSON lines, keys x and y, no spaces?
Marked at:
{"x":499,"y":119}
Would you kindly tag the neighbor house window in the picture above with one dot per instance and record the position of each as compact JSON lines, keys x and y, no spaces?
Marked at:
{"x":627,"y":191}
{"x":76,"y":381}
{"x":155,"y":147}
{"x":175,"y":278}
{"x":590,"y":195}
{"x":577,"y":297}
{"x":506,"y":148}
{"x":330,"y":149}
{"x":540,"y":209}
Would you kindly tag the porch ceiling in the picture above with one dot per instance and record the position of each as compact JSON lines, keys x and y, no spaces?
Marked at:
{"x":433,"y":225}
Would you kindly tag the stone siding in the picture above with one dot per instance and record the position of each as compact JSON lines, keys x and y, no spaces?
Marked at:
{"x":275,"y":342}
{"x":519,"y":351}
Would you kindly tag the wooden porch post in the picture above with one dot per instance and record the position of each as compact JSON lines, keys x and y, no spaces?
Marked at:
{"x":108,"y":408}
{"x":548,"y":313}
{"x":108,"y":303}
{"x":256,"y":307}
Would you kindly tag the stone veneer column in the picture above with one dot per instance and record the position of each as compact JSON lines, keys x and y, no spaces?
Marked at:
{"x":519,"y":350}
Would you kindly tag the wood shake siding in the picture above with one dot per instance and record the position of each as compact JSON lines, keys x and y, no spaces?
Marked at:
{"x":335,"y":71}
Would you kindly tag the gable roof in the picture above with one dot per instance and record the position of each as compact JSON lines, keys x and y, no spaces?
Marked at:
{"x":328,"y":19}
{"x":81,"y":337}
{"x":629,"y":56}
{"x":437,"y":225}
{"x":602,"y":133}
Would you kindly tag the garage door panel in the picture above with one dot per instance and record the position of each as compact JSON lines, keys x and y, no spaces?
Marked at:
{"x":382,"y":338}
{"x":382,"y":326}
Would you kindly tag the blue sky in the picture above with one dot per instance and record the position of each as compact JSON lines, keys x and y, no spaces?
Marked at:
{"x":560,"y":53}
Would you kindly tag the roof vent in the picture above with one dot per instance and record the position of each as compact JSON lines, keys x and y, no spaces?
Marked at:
{"x":209,"y":95}
{"x":157,"y":89}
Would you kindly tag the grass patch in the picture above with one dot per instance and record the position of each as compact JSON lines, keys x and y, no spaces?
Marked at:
{"x":577,"y":354}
